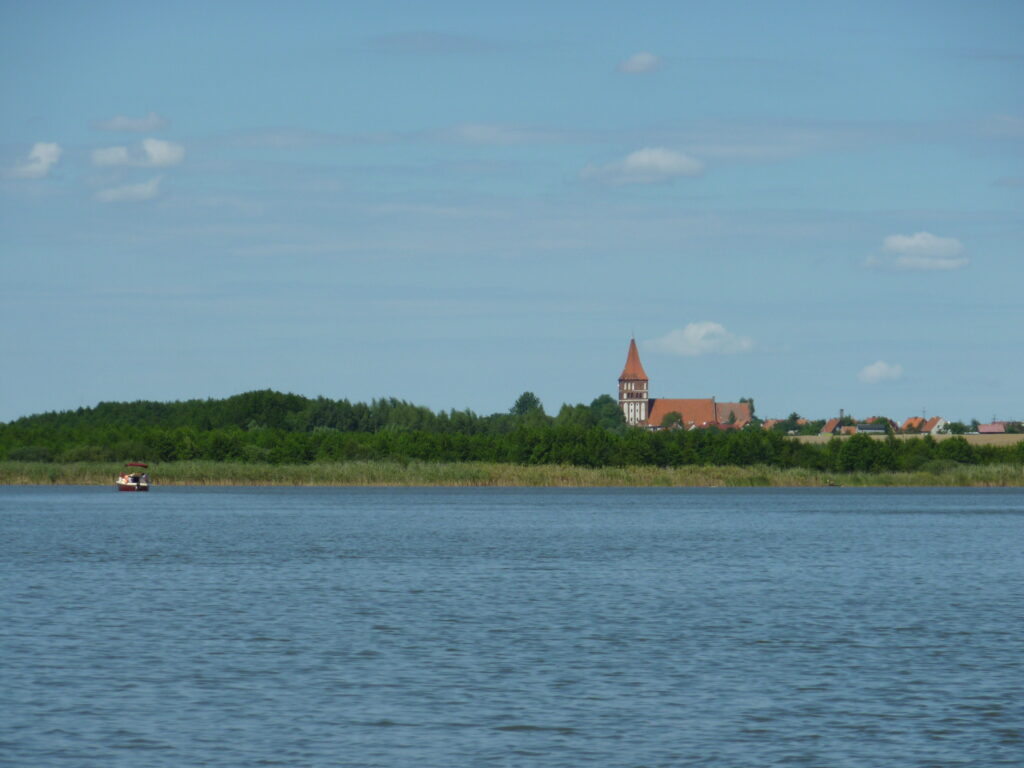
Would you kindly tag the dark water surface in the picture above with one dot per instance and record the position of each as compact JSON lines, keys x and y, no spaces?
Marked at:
{"x":410,"y":627}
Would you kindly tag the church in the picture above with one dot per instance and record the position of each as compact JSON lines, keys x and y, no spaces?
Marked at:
{"x":641,"y":410}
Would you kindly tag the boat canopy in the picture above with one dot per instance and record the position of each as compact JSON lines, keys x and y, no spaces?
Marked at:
{"x":136,"y":464}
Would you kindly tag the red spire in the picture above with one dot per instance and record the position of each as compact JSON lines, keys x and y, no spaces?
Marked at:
{"x":634,"y":370}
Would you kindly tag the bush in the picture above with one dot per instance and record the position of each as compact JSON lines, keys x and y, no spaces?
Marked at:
{"x":30,"y":453}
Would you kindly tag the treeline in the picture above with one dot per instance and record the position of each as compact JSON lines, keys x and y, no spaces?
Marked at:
{"x":267,"y":409}
{"x":270,"y":427}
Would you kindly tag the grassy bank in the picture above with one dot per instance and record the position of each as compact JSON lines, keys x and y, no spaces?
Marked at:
{"x":383,"y":473}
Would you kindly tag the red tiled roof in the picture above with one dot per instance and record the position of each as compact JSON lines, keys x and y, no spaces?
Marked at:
{"x":697,"y":412}
{"x":931,"y":424}
{"x":995,"y":428}
{"x":633,"y":370}
{"x":736,"y":425}
{"x":740,"y":410}
{"x":914,"y":422}
{"x":830,"y":426}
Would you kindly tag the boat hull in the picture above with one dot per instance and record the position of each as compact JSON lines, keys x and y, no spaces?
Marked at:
{"x":131,"y":487}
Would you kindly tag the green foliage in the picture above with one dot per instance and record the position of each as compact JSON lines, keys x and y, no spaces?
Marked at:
{"x":789,"y":424}
{"x":672,"y":418}
{"x":579,"y":416}
{"x":885,"y":422}
{"x":607,"y":413}
{"x":957,"y":449}
{"x":268,"y":427}
{"x":526,"y":403}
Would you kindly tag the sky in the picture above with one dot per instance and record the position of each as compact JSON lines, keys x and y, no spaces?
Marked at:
{"x":817,"y":205}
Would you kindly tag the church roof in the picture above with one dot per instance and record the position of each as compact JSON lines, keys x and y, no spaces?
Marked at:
{"x":740,"y":410}
{"x":695,"y":412}
{"x":633,"y":370}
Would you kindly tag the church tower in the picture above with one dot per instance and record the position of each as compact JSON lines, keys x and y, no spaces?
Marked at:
{"x":633,"y":388}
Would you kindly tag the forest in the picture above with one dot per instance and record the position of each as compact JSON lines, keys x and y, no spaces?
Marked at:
{"x":276,"y":428}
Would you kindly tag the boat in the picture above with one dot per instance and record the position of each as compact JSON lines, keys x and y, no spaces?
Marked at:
{"x":134,"y":478}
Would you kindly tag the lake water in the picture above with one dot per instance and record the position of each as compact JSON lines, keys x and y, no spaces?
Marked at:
{"x":511,"y":627}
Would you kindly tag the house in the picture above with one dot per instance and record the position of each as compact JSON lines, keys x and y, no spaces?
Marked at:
{"x":872,"y":427}
{"x":921,"y":426}
{"x":835,"y":426}
{"x":995,"y":428}
{"x":736,"y":415}
{"x":641,"y":410}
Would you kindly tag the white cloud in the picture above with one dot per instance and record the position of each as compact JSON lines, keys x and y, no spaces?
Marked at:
{"x":924,"y":250}
{"x":130,"y":193}
{"x":151,"y":122}
{"x":162,"y":153}
{"x":930,"y":263}
{"x":487,"y":133}
{"x":640,"y":62}
{"x":151,"y":153}
{"x":41,"y":158}
{"x":704,"y":338}
{"x":880,"y":371}
{"x":646,"y":166}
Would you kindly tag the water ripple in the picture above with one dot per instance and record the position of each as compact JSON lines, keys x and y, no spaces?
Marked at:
{"x":391,"y":627}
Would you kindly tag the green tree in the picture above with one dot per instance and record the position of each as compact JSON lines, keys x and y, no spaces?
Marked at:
{"x":957,"y":449}
{"x":886,"y":422}
{"x":575,"y":416}
{"x":526,"y":403}
{"x":673,"y":418}
{"x":607,"y":413}
{"x":790,"y":424}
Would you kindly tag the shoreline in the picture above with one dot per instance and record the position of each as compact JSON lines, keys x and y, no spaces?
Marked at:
{"x":487,"y":475}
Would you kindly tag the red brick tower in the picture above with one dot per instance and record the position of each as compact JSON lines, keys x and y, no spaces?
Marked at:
{"x":633,"y":388}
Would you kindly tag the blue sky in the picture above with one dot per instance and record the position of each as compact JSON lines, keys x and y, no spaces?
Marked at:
{"x":818,"y":205}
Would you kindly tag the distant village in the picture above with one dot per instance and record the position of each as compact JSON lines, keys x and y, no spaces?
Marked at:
{"x":641,"y":410}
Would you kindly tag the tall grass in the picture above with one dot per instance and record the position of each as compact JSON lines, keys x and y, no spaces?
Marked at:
{"x":385,"y":473}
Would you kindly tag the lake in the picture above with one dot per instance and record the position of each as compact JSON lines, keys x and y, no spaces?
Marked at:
{"x":511,"y":627}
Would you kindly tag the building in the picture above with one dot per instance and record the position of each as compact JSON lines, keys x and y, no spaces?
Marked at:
{"x":641,"y":410}
{"x":995,"y":428}
{"x":873,"y":427}
{"x":835,"y":426}
{"x":634,"y":392}
{"x":920,"y":425}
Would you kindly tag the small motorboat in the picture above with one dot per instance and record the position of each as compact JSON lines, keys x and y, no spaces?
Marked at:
{"x":135,"y":478}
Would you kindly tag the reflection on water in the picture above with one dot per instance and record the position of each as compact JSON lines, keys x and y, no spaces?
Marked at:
{"x":365,"y":627}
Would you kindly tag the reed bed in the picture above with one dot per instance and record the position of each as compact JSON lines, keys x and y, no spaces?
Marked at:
{"x":474,"y":474}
